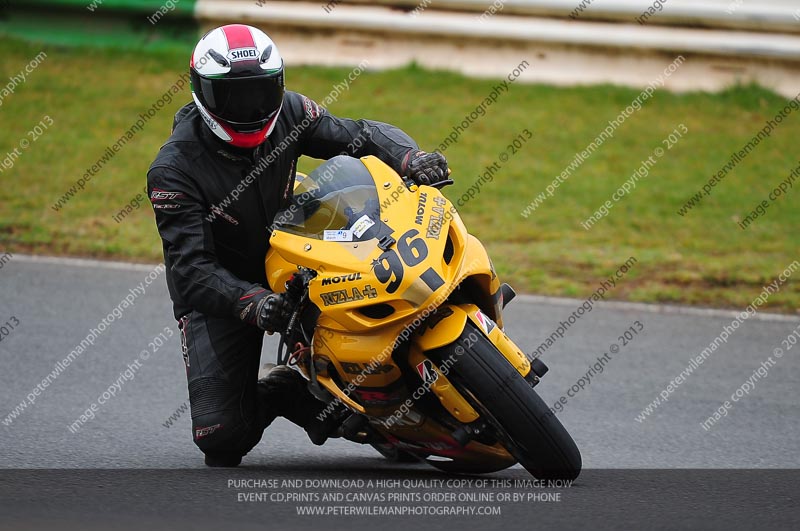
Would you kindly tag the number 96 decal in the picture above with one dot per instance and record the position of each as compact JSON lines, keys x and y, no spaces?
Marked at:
{"x":389,"y":267}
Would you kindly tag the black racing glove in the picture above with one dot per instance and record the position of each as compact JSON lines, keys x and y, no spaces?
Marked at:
{"x":267,"y":310}
{"x":425,"y":168}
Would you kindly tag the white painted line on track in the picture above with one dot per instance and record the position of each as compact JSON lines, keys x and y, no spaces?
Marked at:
{"x":670,"y":309}
{"x":82,"y":262}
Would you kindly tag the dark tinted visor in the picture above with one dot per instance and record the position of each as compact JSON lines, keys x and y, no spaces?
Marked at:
{"x":242,"y":101}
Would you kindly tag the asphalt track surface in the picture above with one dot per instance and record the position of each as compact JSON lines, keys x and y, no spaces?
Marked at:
{"x":124,"y":469}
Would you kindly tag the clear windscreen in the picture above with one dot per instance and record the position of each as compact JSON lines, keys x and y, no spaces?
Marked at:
{"x":338,"y":201}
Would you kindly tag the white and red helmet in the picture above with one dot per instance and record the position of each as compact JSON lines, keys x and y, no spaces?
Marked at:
{"x":237,"y":83}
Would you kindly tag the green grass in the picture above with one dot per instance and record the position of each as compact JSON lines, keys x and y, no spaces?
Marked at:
{"x":703,"y":258}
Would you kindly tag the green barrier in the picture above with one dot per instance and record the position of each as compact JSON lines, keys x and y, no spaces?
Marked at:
{"x":179,"y":7}
{"x":127,"y":24}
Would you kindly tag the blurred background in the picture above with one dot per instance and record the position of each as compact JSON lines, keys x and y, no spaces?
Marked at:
{"x":600,"y":86}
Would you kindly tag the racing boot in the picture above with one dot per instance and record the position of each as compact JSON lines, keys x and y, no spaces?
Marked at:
{"x":284,"y":392}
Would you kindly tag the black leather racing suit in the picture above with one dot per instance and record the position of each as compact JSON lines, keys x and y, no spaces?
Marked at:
{"x":213,"y":205}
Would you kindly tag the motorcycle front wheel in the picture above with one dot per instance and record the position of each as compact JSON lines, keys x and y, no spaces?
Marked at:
{"x":506,"y":401}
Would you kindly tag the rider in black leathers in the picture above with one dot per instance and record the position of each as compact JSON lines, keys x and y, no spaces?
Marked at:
{"x":215,"y":195}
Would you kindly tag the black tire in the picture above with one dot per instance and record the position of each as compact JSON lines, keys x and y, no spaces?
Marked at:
{"x":525,"y":425}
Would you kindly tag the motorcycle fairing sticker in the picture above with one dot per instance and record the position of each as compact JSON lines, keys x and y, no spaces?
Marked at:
{"x":432,"y":279}
{"x":427,"y":371}
{"x":362,"y":225}
{"x":341,"y":235}
{"x":486,"y":323}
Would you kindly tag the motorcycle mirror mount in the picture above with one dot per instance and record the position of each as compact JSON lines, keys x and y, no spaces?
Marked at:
{"x":508,"y":294}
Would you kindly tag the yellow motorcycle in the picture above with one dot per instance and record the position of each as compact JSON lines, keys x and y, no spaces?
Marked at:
{"x":398,"y":326}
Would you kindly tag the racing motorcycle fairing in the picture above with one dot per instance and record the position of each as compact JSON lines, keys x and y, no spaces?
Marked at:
{"x":395,"y":271}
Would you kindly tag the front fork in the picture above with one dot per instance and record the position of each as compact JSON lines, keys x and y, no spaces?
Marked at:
{"x":444,"y":328}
